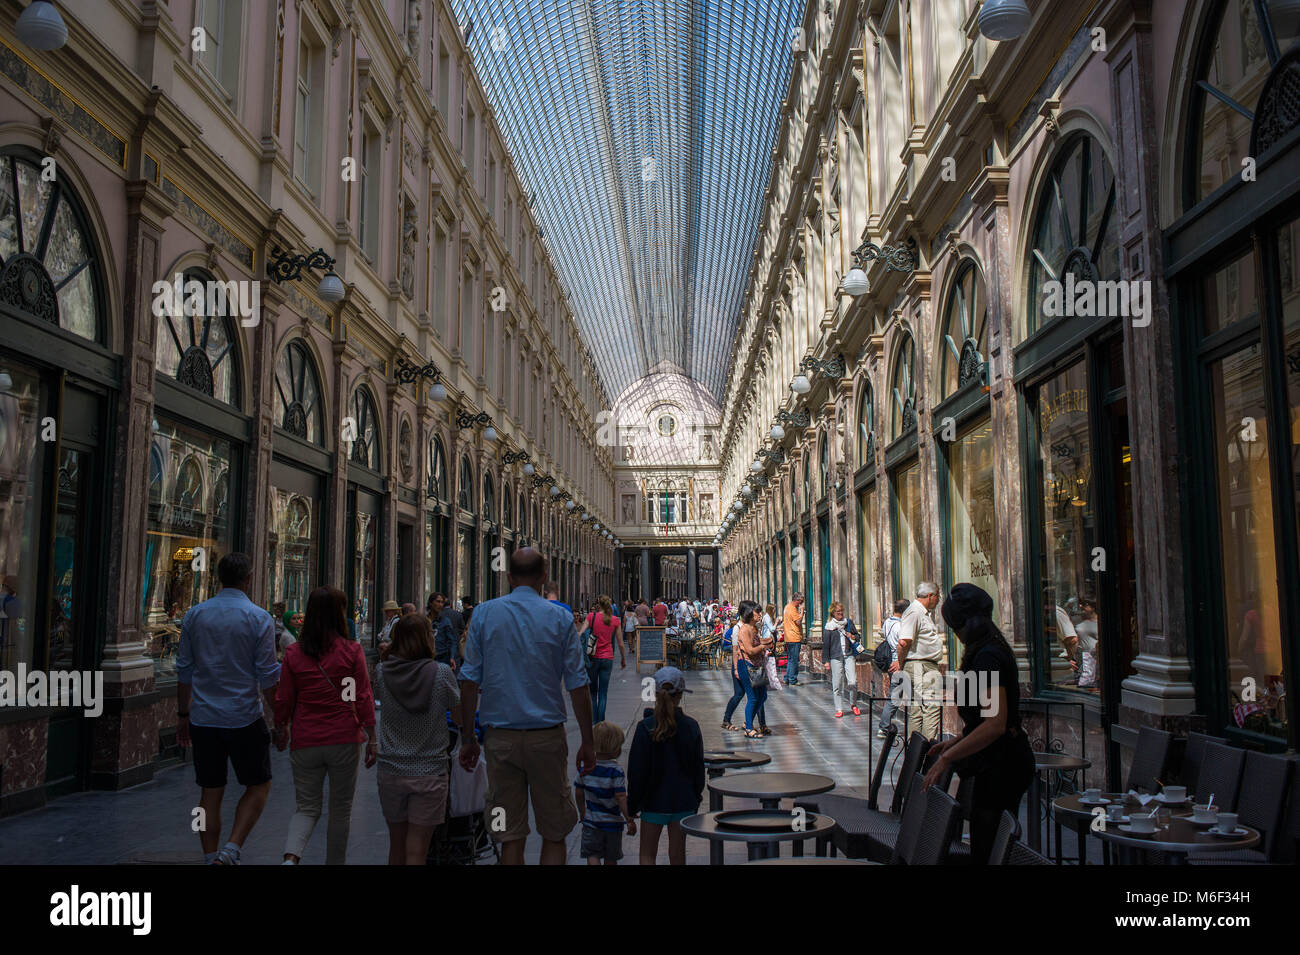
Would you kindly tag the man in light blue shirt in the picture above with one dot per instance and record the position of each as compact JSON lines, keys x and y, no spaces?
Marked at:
{"x":519,"y":650}
{"x":226,"y":659}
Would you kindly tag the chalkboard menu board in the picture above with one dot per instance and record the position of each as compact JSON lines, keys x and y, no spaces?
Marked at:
{"x":650,"y":646}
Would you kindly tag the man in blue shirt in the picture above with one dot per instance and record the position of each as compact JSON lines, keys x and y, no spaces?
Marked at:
{"x":552,"y":593}
{"x":226,"y":659}
{"x":523,"y":652}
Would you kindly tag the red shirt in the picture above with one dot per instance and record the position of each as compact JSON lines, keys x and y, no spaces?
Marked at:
{"x":661,"y":614}
{"x":604,"y":635}
{"x":317,"y":710}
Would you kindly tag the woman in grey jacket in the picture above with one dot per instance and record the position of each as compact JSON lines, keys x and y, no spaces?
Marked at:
{"x":838,"y":641}
{"x":415,"y":692}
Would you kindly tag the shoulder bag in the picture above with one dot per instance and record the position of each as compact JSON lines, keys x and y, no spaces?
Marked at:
{"x":351,"y":706}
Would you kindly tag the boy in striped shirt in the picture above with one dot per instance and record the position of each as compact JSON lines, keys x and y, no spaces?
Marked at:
{"x":602,"y":799}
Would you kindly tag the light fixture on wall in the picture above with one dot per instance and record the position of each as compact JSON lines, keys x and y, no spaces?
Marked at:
{"x":1004,"y":19}
{"x":555,"y":490}
{"x":897,"y":258}
{"x":801,"y":385}
{"x":777,"y":433}
{"x":569,"y":505}
{"x":756,"y":466}
{"x":288,"y":267}
{"x":41,"y":27}
{"x":490,"y":434}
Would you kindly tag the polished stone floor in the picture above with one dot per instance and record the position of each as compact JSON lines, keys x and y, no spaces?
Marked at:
{"x":150,"y":823}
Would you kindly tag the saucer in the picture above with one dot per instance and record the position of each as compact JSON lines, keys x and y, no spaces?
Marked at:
{"x":1133,"y":832}
{"x":1164,"y":800}
{"x":1110,"y":821}
{"x":1235,"y":834}
{"x":1100,"y":801}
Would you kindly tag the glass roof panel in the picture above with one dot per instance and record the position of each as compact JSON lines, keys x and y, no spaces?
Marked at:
{"x":643,"y":129}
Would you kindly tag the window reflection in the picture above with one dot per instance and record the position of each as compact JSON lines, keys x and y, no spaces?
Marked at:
{"x":908,"y":535}
{"x":972,"y":517}
{"x":22,"y":496}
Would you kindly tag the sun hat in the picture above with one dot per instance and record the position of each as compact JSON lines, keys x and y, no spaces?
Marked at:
{"x":392,"y":605}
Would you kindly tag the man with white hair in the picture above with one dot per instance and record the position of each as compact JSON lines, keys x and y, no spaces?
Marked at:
{"x":920,"y":650}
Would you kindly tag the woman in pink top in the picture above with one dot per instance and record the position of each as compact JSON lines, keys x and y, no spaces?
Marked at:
{"x":600,"y":664}
{"x":324,"y":708}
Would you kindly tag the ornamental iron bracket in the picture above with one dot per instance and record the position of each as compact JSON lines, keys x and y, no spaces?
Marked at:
{"x":799,"y":418}
{"x":510,"y":457}
{"x":833,"y":367}
{"x":466,"y":420}
{"x":897,"y":258}
{"x":288,"y":266}
{"x":405,"y":372}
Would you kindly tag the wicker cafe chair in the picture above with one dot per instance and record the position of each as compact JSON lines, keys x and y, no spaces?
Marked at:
{"x":862,"y":831}
{"x":1193,"y":756}
{"x":1220,"y":775}
{"x":1003,"y":840}
{"x":930,"y":820}
{"x":1263,"y":795}
{"x":1149,"y":759}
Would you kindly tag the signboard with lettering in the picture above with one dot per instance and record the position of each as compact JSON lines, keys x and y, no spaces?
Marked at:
{"x":650,"y":646}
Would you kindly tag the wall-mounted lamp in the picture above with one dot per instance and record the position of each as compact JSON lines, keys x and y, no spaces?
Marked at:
{"x":288,"y":267}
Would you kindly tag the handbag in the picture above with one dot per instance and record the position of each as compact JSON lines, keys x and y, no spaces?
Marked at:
{"x":592,"y":638}
{"x":467,"y":790}
{"x":757,"y":675}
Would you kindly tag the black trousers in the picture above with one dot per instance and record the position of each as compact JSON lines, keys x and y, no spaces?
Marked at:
{"x":999,"y":786}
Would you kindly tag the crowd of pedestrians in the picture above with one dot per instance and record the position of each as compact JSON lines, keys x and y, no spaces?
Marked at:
{"x":457,"y":686}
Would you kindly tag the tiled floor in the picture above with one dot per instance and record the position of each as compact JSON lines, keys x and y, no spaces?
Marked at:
{"x":151,"y":823}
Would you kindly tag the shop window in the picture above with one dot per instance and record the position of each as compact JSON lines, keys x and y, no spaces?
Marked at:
{"x":48,"y":266}
{"x":23,"y":496}
{"x":436,"y":471}
{"x":465,"y":488}
{"x":972,"y":515}
{"x":489,"y":499}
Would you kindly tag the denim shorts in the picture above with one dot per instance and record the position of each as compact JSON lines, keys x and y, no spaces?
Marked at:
{"x":664,"y":818}
{"x":603,"y":844}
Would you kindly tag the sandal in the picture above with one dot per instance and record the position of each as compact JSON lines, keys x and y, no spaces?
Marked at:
{"x":764,"y":731}
{"x":731,"y":726}
{"x":753,"y":734}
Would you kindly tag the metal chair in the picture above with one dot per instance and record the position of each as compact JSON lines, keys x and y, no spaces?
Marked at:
{"x":1220,"y":775}
{"x":1149,"y":759}
{"x":1263,"y":796}
{"x":1193,"y":755}
{"x":1006,"y":836}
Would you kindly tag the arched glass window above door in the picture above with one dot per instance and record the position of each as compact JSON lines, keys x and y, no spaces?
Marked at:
{"x":297,"y":393}
{"x":866,"y":427}
{"x":365,"y":443}
{"x":436,"y":471}
{"x":465,"y":490}
{"x":1076,"y":232}
{"x":195,"y":339}
{"x":49,"y":266}
{"x":965,"y":331}
{"x":903,"y":389}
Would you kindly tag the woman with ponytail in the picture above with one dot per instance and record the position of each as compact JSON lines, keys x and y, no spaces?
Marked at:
{"x":993,"y":747}
{"x":665,"y":769}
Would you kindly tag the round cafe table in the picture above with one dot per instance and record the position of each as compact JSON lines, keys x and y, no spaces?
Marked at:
{"x":813,"y":860}
{"x":1046,"y":763}
{"x":770,"y":788}
{"x":717,"y":762}
{"x":761,"y":845}
{"x":1177,"y":839}
{"x":1079,"y":815}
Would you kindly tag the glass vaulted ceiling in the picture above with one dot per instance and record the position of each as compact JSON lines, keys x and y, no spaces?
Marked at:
{"x":643,"y":129}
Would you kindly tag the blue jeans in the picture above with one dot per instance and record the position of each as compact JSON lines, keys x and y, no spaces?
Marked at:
{"x":737,"y":694}
{"x":892,"y":707}
{"x":792,"y":662}
{"x":598,"y":672}
{"x":755,"y":696}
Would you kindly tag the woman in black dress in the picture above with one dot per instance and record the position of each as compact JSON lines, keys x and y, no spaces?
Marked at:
{"x":993,"y":747}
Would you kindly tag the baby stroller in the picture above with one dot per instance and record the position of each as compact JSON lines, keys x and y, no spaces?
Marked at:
{"x":461,"y":840}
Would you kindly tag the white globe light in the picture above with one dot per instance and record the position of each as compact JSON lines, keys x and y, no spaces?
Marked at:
{"x":568,"y":505}
{"x":596,"y":526}
{"x":756,"y":466}
{"x":855,"y":283}
{"x":489,"y":433}
{"x":529,"y":469}
{"x":800,"y":385}
{"x":41,"y":27}
{"x":437,"y":393}
{"x":777,"y":432}
{"x":555,"y":491}
{"x":330,"y":288}
{"x":1004,"y":19}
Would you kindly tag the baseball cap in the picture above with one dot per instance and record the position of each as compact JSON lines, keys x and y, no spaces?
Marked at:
{"x":671,"y":679}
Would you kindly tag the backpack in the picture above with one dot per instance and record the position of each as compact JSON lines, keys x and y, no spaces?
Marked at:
{"x":883,"y":656}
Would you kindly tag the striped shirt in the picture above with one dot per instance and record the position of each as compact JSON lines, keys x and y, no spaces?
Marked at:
{"x":600,"y":787}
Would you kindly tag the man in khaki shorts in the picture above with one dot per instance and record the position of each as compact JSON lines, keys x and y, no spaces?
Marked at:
{"x":519,"y":650}
{"x":920,"y":651}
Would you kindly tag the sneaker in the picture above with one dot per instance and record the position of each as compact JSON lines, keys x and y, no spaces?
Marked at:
{"x":856,"y":711}
{"x":227,"y":857}
{"x":881,"y":734}
{"x":839,"y":713}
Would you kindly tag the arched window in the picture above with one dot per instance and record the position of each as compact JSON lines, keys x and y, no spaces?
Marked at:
{"x":965,"y":336}
{"x":1076,"y":231}
{"x":365,"y":442}
{"x":187,"y":496}
{"x":903,"y":387}
{"x":436,"y":482}
{"x":507,"y":506}
{"x":48,"y":265}
{"x":465,"y":490}
{"x":866,"y":427}
{"x":195,"y":338}
{"x":489,"y":498}
{"x":297,"y":393}
{"x":806,"y":471}
{"x":824,"y":465}
{"x":1237,"y":55}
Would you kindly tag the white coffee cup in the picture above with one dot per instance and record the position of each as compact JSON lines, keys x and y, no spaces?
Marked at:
{"x":1115,"y":811}
{"x":1142,"y":823}
{"x":1175,"y":793}
{"x":1205,"y":813}
{"x":1092,"y":795}
{"x":1227,"y":822}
